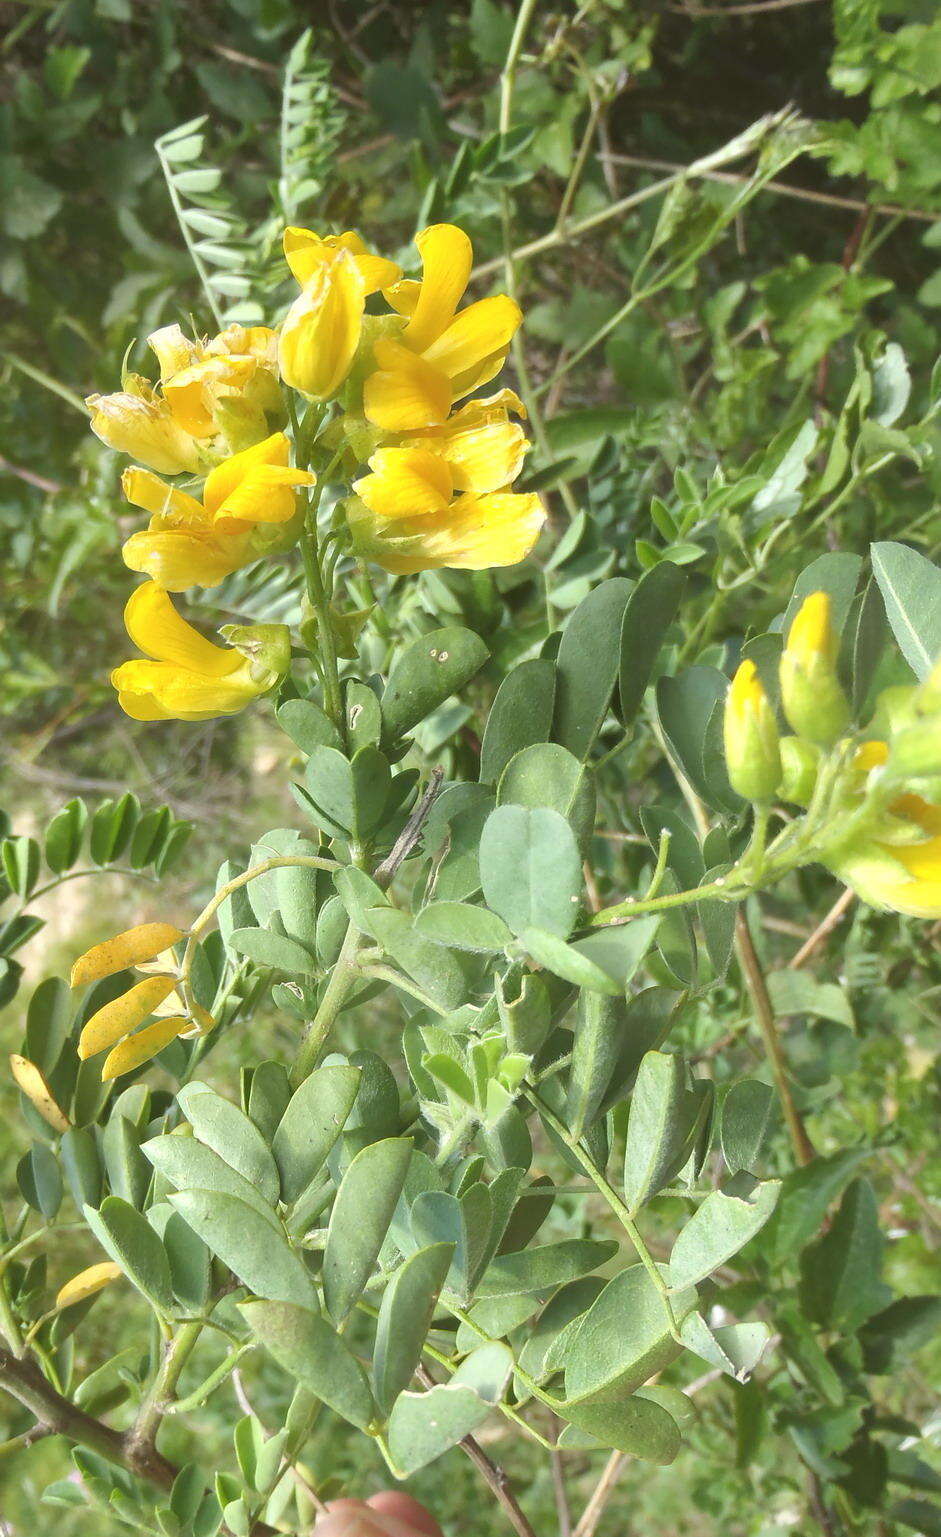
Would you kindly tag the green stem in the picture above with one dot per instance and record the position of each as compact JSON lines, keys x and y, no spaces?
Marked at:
{"x":225,"y":1368}
{"x":159,"y":1398}
{"x":610,"y":1195}
{"x":345,"y":974}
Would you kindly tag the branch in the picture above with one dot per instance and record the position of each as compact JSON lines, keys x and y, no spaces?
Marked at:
{"x":764,"y":1014}
{"x":23,"y":1380}
{"x":494,"y":1475}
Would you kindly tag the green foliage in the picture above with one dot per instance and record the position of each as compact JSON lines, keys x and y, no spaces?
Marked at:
{"x":488,"y":1161}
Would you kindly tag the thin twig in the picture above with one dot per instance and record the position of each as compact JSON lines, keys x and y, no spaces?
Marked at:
{"x":751,"y":8}
{"x":764,"y":1015}
{"x":411,"y":832}
{"x":823,"y":930}
{"x":558,"y":1489}
{"x":489,"y":1470}
{"x":603,"y":1490}
{"x":782,"y":188}
{"x":29,"y":476}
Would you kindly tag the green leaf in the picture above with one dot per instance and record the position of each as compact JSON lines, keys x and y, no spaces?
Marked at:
{"x":190,"y":1165}
{"x":244,"y":1240}
{"x":599,"y":1030}
{"x":463,"y":926}
{"x":750,"y":1116}
{"x":630,"y":1423}
{"x":691,"y":706}
{"x":911,"y":589}
{"x":350,"y":795}
{"x":623,"y":1339}
{"x":721,"y":1226}
{"x":464,"y":1223}
{"x":128,"y":1239}
{"x":306,"y":1345}
{"x":567,"y":961}
{"x":40,"y":1181}
{"x":530,"y":869}
{"x":408,"y":1305}
{"x":546,"y":775}
{"x":587,"y":665}
{"x":841,"y":1285}
{"x":311,"y":1124}
{"x":424,"y":1425}
{"x":545,"y":1267}
{"x":805,"y":1197}
{"x":664,"y":1120}
{"x":224,"y":1128}
{"x":651,"y":609}
{"x":427,"y":962}
{"x":307,"y":725}
{"x":63,"y":840}
{"x":521,"y":714}
{"x":426,"y":673}
{"x":362,"y":1211}
{"x":267,"y":948}
{"x":620,"y":948}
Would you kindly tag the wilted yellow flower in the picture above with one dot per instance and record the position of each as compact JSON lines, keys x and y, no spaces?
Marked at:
{"x":138,"y":421}
{"x":31,"y":1082}
{"x":811,"y":693}
{"x":189,"y":677}
{"x":752,"y":750}
{"x":441,"y":354}
{"x":322,"y":329}
{"x":87,"y":1283}
{"x":249,"y":509}
{"x":134,"y":946}
{"x":214,"y":396}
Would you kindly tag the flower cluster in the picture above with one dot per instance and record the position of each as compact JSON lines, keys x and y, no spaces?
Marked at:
{"x":431,"y":480}
{"x":872,"y":798}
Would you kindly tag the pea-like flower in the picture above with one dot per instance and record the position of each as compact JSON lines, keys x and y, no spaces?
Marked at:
{"x":213,"y":397}
{"x":443,"y":499}
{"x":322,"y":329}
{"x":441,"y":353}
{"x":189,"y":677}
{"x":248,"y":509}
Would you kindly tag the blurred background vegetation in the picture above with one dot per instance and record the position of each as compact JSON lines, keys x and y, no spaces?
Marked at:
{"x":743,"y":361}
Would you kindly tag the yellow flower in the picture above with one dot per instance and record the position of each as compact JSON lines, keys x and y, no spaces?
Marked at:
{"x":138,"y":421}
{"x":322,"y":329}
{"x":214,"y":396}
{"x":190,"y":678}
{"x":249,"y":509}
{"x":443,"y":498}
{"x":87,"y":1283}
{"x":811,"y":693}
{"x":752,"y":749}
{"x":441,"y":354}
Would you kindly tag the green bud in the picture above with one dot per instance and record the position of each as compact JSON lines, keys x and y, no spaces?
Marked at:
{"x":800,"y":763}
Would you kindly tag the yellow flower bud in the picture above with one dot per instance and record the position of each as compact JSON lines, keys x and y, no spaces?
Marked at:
{"x":322,"y":328}
{"x":752,"y":750}
{"x":811,"y":693}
